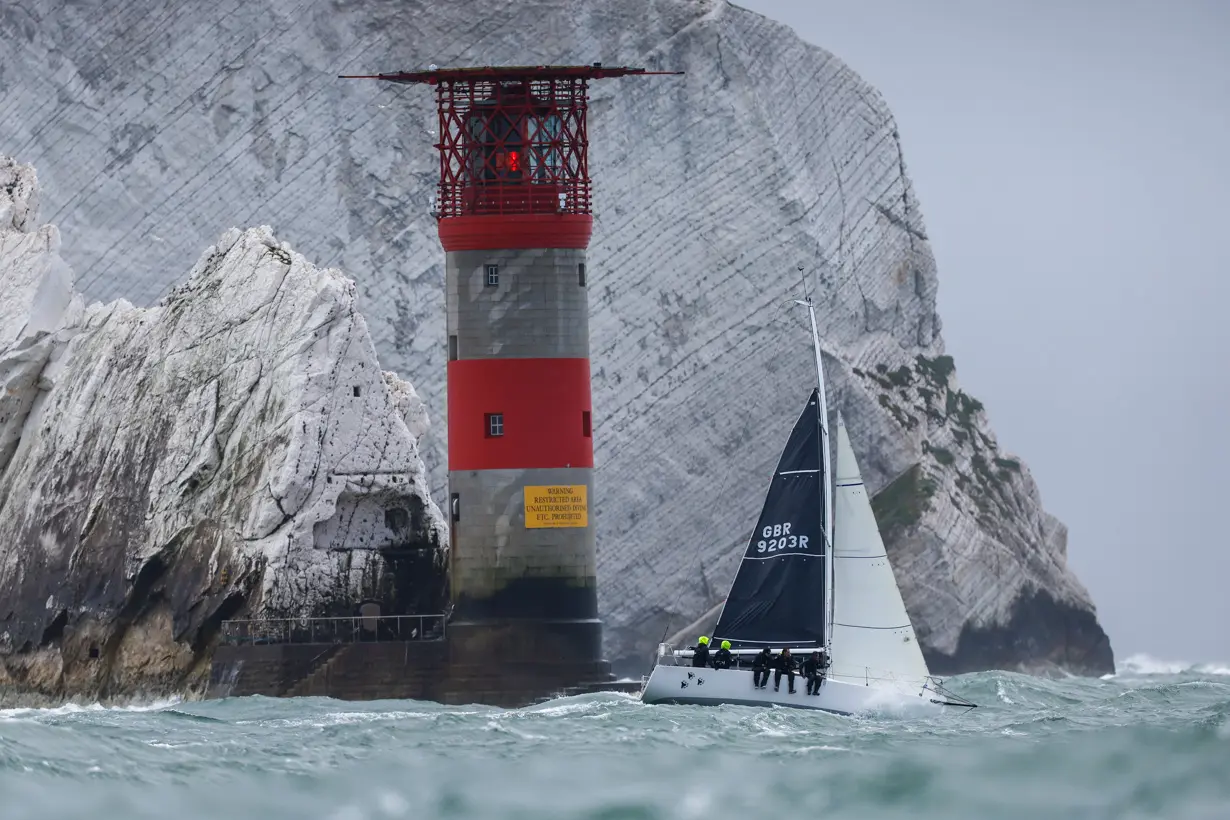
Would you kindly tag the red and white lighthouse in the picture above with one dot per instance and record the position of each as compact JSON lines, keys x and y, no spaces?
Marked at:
{"x":515,"y":220}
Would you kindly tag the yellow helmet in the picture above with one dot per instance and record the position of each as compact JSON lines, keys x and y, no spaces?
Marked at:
{"x":726,"y":644}
{"x":704,"y":639}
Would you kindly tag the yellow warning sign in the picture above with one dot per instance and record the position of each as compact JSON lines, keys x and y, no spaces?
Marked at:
{"x":563,"y":506}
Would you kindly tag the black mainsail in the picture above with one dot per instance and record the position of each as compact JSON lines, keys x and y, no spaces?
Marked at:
{"x":778,"y":594}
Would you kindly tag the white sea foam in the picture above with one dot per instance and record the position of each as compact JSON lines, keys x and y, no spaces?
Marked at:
{"x":1001,"y":694}
{"x":559,"y":709}
{"x":1142,"y":664}
{"x":30,"y":712}
{"x":340,"y":719}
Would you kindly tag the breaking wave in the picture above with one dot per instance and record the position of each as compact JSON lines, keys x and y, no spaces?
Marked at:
{"x":1141,"y":664}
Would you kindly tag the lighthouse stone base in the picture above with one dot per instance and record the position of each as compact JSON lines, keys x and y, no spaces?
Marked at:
{"x":508,"y":665}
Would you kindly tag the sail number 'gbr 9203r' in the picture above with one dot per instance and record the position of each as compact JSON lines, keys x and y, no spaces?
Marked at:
{"x":777,"y":537}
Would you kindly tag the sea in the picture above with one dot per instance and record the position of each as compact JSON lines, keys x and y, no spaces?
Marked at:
{"x":1152,"y":740}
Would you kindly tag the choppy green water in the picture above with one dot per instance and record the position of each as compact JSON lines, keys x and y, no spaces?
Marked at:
{"x":1137,"y":745}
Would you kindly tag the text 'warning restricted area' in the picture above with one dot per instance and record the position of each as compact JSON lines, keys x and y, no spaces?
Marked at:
{"x":560,"y":506}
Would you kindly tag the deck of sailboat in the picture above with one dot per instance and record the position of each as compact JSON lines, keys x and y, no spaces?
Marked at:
{"x":686,"y":685}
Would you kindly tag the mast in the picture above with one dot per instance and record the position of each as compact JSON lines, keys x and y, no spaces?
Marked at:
{"x":827,"y":474}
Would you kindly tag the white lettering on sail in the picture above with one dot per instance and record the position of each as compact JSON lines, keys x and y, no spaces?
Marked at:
{"x":777,"y":538}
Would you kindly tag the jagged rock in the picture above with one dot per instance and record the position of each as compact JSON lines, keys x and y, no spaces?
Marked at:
{"x":709,"y":190}
{"x":36,"y":301}
{"x":234,"y":449}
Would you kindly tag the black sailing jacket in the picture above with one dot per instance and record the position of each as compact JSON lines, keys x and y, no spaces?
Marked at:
{"x":784,"y":663}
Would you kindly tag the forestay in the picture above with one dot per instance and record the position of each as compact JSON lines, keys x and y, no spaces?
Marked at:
{"x":777,"y":596}
{"x":873,"y":639}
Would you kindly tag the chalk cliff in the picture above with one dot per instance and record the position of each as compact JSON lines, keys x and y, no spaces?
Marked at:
{"x":152,"y":132}
{"x":234,"y":448}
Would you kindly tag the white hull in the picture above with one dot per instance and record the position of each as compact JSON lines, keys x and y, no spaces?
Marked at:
{"x":710,"y":687}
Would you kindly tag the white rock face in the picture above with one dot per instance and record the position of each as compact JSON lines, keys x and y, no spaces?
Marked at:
{"x":241,"y":423}
{"x":37,"y":301}
{"x":709,"y":190}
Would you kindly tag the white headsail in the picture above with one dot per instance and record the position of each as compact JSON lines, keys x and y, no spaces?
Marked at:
{"x":873,"y":639}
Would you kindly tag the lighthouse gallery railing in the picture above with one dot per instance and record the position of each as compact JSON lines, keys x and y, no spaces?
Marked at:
{"x":356,"y":629}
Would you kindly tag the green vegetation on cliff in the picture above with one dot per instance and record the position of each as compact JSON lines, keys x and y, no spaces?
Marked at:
{"x":901,"y":504}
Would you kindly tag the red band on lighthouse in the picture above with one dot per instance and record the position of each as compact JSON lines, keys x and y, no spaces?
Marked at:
{"x":542,"y":405}
{"x":516,"y":232}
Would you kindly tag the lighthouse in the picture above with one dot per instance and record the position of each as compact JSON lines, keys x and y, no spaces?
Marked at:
{"x":514,"y":219}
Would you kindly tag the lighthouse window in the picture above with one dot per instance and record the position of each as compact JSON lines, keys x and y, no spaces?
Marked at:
{"x":493,"y":275}
{"x":581,"y":274}
{"x":452,"y":348}
{"x":455,"y":505}
{"x":546,"y":156}
{"x":495,"y":425}
{"x":586,"y":427}
{"x":497,"y":152}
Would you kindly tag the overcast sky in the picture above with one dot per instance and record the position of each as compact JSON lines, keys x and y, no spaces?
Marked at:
{"x":1072,"y":158}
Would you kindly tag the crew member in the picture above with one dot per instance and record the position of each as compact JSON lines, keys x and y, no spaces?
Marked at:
{"x":784,"y":664}
{"x":813,"y":670}
{"x":760,"y":668}
{"x":722,"y":658}
{"x":700,"y":653}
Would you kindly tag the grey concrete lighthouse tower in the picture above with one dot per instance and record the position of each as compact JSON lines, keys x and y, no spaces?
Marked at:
{"x":515,"y":220}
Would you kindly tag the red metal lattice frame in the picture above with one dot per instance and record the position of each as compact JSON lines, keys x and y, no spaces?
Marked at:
{"x":518,"y":147}
{"x":513,"y":140}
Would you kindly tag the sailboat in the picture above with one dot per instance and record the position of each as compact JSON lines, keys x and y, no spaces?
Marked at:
{"x":814,"y":577}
